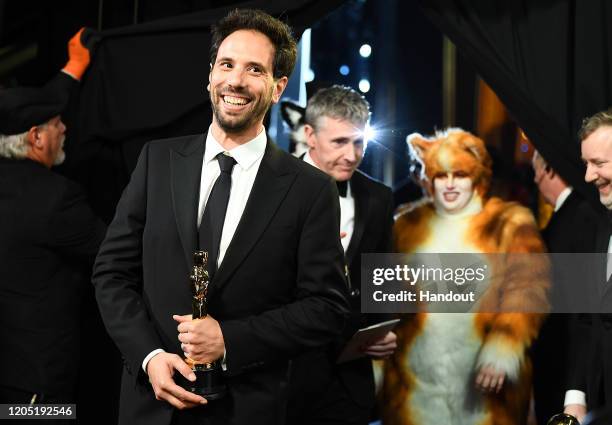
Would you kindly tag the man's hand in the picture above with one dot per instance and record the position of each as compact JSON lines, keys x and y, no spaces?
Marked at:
{"x":201,"y":339}
{"x":382,"y":347}
{"x":576,"y":410}
{"x":490,"y":379}
{"x":160,"y":369}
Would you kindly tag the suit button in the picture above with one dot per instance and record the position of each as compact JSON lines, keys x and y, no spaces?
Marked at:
{"x":607,"y":324}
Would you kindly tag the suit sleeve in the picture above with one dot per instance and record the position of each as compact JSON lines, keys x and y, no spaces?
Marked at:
{"x":580,"y":328}
{"x":385,"y":245}
{"x":117,"y":275}
{"x":319,"y":310}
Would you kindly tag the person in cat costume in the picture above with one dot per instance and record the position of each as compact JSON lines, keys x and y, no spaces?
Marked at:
{"x":466,"y":368}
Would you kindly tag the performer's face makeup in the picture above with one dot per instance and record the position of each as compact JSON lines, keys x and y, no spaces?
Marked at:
{"x":452,"y":190}
{"x":336,"y":146}
{"x":242,"y":86}
{"x":597,"y":156}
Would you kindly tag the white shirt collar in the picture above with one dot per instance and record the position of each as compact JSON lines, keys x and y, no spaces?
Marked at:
{"x":245,"y":155}
{"x":565,"y":193}
{"x":308,"y":159}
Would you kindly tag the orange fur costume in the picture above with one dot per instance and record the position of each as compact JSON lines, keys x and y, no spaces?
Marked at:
{"x":430,"y":379}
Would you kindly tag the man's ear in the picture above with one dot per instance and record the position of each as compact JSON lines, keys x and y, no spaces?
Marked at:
{"x":309,"y":132}
{"x":279,"y":88}
{"x":209,"y":77}
{"x":33,"y":137}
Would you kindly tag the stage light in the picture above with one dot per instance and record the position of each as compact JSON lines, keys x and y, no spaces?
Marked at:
{"x":345,"y":70}
{"x":365,"y":50}
{"x":364,"y":85}
{"x":310,"y":75}
{"x":369,"y":133}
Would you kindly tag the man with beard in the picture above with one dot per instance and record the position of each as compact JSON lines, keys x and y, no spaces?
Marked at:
{"x":49,"y":238}
{"x":276,"y":282}
{"x":592,"y":372}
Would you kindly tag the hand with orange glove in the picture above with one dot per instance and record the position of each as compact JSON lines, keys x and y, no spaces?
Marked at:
{"x":78,"y":57}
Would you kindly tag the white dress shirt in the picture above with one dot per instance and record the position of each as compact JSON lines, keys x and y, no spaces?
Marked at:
{"x":248,"y":158}
{"x":347,"y":209}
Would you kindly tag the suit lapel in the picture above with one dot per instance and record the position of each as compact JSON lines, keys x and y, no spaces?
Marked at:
{"x":185,"y":174}
{"x":271,"y":185}
{"x":361,"y":213}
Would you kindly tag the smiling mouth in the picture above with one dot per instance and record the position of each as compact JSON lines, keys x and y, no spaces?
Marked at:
{"x":603,"y":187}
{"x":235,"y":100}
{"x":450,"y":196}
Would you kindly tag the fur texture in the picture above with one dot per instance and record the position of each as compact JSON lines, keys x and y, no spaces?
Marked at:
{"x":430,"y":378}
{"x":293,"y":115}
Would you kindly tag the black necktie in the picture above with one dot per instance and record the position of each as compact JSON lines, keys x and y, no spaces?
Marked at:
{"x":342,"y":187}
{"x":211,"y":225}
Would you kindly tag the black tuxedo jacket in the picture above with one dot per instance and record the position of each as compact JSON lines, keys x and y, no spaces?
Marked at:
{"x":279,"y":291}
{"x":49,"y":238}
{"x":371,"y":234}
{"x":592,"y":333}
{"x":571,"y":229}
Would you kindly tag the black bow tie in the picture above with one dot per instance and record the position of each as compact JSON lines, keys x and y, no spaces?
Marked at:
{"x":342,"y":187}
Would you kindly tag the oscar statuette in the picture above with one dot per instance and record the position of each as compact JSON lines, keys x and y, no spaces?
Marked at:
{"x":563,"y":419}
{"x":209,"y":381}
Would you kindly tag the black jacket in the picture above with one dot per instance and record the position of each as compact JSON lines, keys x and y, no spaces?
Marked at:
{"x":371,"y":234}
{"x":49,"y":238}
{"x":279,"y":290}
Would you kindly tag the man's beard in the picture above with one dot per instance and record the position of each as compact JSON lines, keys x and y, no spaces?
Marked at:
{"x":606,"y":200}
{"x":235,"y":125}
{"x":61,"y":155}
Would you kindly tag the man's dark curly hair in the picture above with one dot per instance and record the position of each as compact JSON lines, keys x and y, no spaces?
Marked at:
{"x":279,"y":33}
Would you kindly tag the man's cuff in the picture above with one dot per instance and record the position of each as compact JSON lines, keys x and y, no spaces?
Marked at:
{"x":575,"y":397}
{"x":223,"y":362}
{"x":145,"y":362}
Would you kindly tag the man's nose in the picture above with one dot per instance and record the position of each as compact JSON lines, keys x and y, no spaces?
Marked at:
{"x":350,"y":153}
{"x":236,"y":77}
{"x":590,"y":175}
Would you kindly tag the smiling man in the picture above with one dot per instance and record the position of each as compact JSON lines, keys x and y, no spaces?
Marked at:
{"x":276,"y":282}
{"x":592,"y":382}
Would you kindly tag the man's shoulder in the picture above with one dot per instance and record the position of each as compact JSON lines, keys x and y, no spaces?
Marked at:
{"x":304,"y":170}
{"x":182,"y":144}
{"x":362,"y":181}
{"x":35,"y":181}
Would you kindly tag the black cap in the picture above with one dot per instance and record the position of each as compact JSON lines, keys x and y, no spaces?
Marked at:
{"x":21,"y":108}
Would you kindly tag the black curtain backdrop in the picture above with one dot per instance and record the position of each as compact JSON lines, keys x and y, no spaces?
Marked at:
{"x":549,"y":61}
{"x":148,"y":82}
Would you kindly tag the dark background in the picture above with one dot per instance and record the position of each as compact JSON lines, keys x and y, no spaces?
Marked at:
{"x":548,"y":61}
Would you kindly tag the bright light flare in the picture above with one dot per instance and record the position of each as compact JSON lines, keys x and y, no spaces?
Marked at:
{"x":365,"y":50}
{"x":364,"y":86}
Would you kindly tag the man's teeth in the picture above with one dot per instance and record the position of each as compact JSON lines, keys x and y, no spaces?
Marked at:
{"x":235,"y":100}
